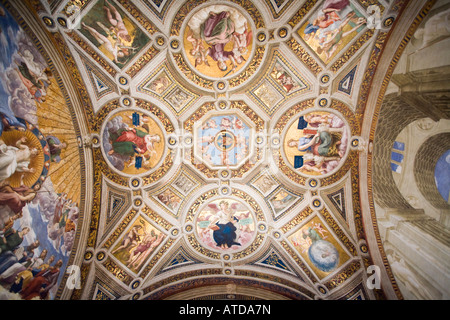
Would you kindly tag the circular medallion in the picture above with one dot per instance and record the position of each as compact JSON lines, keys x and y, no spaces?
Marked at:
{"x":133,"y":142}
{"x":315,"y":143}
{"x":174,"y":44}
{"x":225,"y":140}
{"x":225,"y":225}
{"x":123,"y":81}
{"x":88,"y":256}
{"x":388,"y":22}
{"x":62,"y":22}
{"x":218,"y":41}
{"x":261,"y":37}
{"x":48,"y":21}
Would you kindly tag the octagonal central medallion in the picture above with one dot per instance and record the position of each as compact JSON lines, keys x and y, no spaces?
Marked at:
{"x":223,"y":141}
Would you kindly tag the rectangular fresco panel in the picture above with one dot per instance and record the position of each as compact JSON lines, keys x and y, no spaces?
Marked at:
{"x":331,"y":27}
{"x":137,"y":244}
{"x":112,"y":32}
{"x":318,"y":247}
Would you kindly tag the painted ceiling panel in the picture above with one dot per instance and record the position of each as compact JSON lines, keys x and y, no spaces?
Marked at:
{"x":188,"y":144}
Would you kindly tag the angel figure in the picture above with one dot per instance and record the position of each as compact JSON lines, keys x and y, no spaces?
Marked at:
{"x":244,"y":218}
{"x":144,"y":249}
{"x":115,"y":48}
{"x":130,"y":239}
{"x":224,"y":224}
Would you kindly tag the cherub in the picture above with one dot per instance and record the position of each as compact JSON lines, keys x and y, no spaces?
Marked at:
{"x":240,"y":44}
{"x":198,"y":50}
{"x":117,"y":22}
{"x":244,"y":227}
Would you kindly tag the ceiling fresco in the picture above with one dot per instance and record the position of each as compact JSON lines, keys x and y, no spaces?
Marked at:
{"x":157,"y":148}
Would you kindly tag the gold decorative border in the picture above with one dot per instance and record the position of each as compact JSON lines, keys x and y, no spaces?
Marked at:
{"x":344,"y":58}
{"x":156,"y":218}
{"x":117,"y":272}
{"x":92,"y":53}
{"x":342,"y":276}
{"x":141,"y":18}
{"x":304,"y":56}
{"x":302,"y":12}
{"x":142,"y":61}
{"x":249,"y":69}
{"x":103,"y":113}
{"x":189,"y":74}
{"x":299,"y":218}
{"x":120,"y":229}
{"x":194,"y":208}
{"x":157,"y":257}
{"x":299,"y":261}
{"x":356,"y":201}
{"x":165,"y":121}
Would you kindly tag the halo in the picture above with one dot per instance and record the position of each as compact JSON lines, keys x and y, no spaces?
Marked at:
{"x":40,"y":162}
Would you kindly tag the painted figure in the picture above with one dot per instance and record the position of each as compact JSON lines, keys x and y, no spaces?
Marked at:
{"x":118,"y":26}
{"x":56,"y":147}
{"x":115,"y":48}
{"x":223,"y":140}
{"x":322,"y":253}
{"x":16,"y":158}
{"x":130,"y":141}
{"x":321,"y":143}
{"x":218,"y":34}
{"x":331,"y":26}
{"x":130,"y":239}
{"x":144,"y":249}
{"x":225,"y":224}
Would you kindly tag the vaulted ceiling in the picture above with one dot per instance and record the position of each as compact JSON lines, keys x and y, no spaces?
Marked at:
{"x":213,"y":149}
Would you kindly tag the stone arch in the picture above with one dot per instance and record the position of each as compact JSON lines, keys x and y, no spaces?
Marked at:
{"x":424,"y":165}
{"x":395,"y":115}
